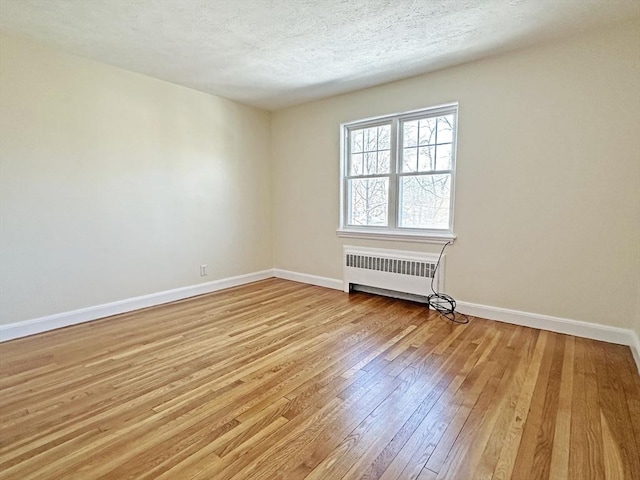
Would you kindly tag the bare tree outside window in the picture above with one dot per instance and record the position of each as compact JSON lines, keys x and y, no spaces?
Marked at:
{"x":425,"y":190}
{"x":370,"y":166}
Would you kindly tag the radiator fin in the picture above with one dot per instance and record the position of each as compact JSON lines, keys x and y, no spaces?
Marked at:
{"x":391,"y":265}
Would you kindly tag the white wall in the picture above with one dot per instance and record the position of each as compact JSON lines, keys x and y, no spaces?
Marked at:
{"x":547,"y":207}
{"x":114,"y":185}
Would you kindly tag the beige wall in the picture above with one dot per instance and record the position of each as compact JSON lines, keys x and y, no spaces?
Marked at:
{"x":547,"y":207}
{"x":115,"y":185}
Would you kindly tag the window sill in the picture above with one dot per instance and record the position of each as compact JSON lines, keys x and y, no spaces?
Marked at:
{"x":435,"y":238}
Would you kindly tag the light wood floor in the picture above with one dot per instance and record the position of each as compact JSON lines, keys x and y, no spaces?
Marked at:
{"x":279,"y":380}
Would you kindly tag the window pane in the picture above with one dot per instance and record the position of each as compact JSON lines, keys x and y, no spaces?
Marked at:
{"x":426,"y":157}
{"x":356,"y":141}
{"x":370,"y":161}
{"x":368,"y":201}
{"x":409,"y":159}
{"x":425,"y":201}
{"x":410,"y":134}
{"x":445,"y":129}
{"x":384,"y":162}
{"x":443,"y":157}
{"x":383,"y":137}
{"x":357,"y":167}
{"x":427,"y":131}
{"x":370,"y":139}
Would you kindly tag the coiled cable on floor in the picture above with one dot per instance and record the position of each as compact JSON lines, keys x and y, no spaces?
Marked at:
{"x":442,"y":303}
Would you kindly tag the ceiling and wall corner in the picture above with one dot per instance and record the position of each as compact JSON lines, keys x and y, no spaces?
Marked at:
{"x":276,"y":53}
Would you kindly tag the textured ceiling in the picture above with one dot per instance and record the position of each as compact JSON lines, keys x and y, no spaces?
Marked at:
{"x":276,"y":53}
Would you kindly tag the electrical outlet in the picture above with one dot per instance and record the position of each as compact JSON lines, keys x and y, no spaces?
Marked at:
{"x":203,"y":270}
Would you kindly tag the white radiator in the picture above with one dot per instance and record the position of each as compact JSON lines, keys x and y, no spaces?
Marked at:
{"x":392,"y":270}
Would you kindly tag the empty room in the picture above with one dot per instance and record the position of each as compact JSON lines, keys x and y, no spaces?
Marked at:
{"x":319,"y":239}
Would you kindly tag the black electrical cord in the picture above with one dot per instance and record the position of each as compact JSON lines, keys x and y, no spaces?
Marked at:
{"x":442,"y":303}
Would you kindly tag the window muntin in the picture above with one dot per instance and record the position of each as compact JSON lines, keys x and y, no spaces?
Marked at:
{"x":400,"y":172}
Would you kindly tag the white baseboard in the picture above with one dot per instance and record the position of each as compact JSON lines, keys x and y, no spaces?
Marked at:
{"x":65,"y":319}
{"x":310,"y":279}
{"x":595,"y":331}
{"x":545,"y":322}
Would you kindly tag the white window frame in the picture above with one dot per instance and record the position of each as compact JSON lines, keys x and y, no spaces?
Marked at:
{"x":392,"y":231}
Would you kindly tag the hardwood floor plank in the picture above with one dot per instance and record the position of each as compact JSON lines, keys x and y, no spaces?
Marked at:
{"x":280,"y":380}
{"x":546,"y":430}
{"x":501,"y":447}
{"x":578,"y":452}
{"x":524,"y":459}
{"x":618,"y":442}
{"x":620,"y":360}
{"x":559,"y":467}
{"x":594,"y":427}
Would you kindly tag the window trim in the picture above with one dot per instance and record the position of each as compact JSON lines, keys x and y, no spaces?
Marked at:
{"x":393,"y":232}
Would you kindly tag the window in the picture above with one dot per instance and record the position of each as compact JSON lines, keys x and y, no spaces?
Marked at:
{"x":398,"y":175}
